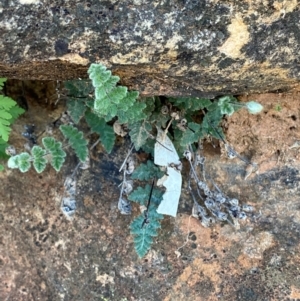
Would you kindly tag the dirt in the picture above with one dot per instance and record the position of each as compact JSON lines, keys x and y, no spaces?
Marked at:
{"x":44,"y":256}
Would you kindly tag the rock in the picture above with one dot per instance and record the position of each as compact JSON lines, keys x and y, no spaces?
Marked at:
{"x":45,"y":256}
{"x":201,"y":48}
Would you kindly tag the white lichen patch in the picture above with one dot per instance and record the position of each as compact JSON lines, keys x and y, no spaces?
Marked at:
{"x":9,"y":24}
{"x":201,"y":40}
{"x":239,"y":36}
{"x":29,"y":1}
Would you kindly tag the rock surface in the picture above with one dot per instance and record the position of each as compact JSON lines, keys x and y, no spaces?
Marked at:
{"x":43,"y":256}
{"x":157,"y":47}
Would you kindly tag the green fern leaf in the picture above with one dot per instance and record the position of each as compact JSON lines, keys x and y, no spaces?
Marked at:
{"x":117,"y":94}
{"x":150,"y":105}
{"x":190,"y":104}
{"x":57,"y":153}
{"x":4,"y":129}
{"x":128,"y":101}
{"x":141,"y":195}
{"x":13,"y":162}
{"x":8,"y":113}
{"x":177,"y":142}
{"x":135,"y":113}
{"x":76,"y":140}
{"x":148,"y":146}
{"x":225,"y":105}
{"x":79,"y":88}
{"x":39,"y":160}
{"x":98,"y":74}
{"x":1,"y":167}
{"x":159,"y":119}
{"x":5,"y":115}
{"x":139,"y":133}
{"x":76,"y":109}
{"x":143,"y":236}
{"x":24,"y":162}
{"x":6,"y":103}
{"x":101,"y":106}
{"x":15,"y":112}
{"x":111,"y":113}
{"x":191,"y":135}
{"x":211,"y":124}
{"x":148,"y":171}
{"x":99,"y":126}
{"x":112,"y":100}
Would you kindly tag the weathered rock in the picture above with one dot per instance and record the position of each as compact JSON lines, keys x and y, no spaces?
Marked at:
{"x":43,"y":256}
{"x":157,"y":47}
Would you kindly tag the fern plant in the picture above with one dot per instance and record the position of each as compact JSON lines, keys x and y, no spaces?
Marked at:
{"x":143,"y":235}
{"x":52,"y":152}
{"x":190,"y":119}
{"x":9,"y":112}
{"x":112,"y":100}
{"x":145,"y":226}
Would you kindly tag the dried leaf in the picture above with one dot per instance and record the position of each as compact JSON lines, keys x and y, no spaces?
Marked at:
{"x":172,"y":182}
{"x":164,"y":150}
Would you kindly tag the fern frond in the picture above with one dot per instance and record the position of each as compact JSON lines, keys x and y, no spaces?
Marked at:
{"x":98,"y":74}
{"x":150,"y":105}
{"x":6,"y":104}
{"x":57,"y":153}
{"x":190,"y":104}
{"x":148,"y":146}
{"x":76,"y":140}
{"x":159,"y":119}
{"x":106,"y":87}
{"x":9,"y":112}
{"x":99,"y":126}
{"x":39,"y":160}
{"x":79,"y":88}
{"x":145,"y":172}
{"x":211,"y":123}
{"x":177,"y":142}
{"x":128,"y":101}
{"x":141,"y":195}
{"x":21,"y":161}
{"x":112,"y":100}
{"x":139,"y":133}
{"x":15,"y":112}
{"x":143,"y":236}
{"x":192,"y":134}
{"x":76,"y":109}
{"x":13,"y":162}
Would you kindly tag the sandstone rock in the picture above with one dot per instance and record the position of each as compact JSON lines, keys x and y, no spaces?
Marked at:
{"x":157,"y":47}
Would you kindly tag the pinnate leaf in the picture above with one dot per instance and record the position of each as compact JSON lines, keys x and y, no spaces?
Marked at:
{"x":57,"y":153}
{"x":39,"y":159}
{"x":99,"y":126}
{"x":139,"y":133}
{"x":145,"y":172}
{"x":76,"y":140}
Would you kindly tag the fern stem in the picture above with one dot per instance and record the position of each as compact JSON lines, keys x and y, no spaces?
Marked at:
{"x":124,"y":162}
{"x":167,"y":128}
{"x":94,"y":145}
